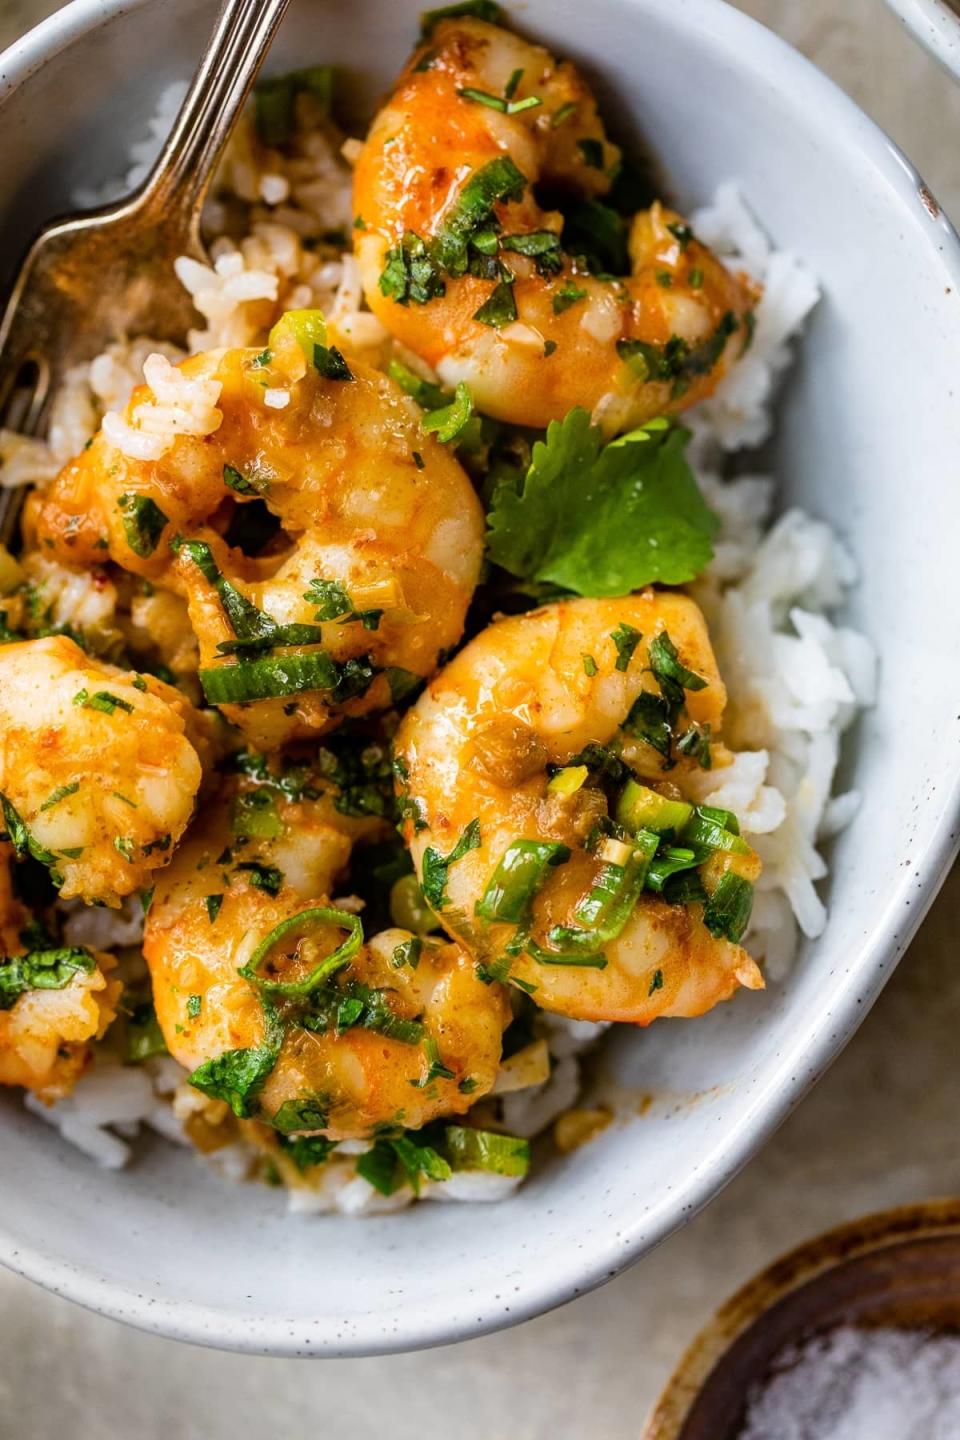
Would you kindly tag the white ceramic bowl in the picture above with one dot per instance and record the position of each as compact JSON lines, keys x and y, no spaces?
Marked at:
{"x":869,"y":437}
{"x":936,"y":24}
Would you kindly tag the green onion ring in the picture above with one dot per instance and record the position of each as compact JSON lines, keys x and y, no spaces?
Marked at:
{"x":319,"y":915}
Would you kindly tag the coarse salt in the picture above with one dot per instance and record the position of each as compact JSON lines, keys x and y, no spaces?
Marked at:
{"x":853,"y":1384}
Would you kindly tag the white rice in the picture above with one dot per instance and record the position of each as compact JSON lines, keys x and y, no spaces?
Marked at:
{"x":796,"y":679}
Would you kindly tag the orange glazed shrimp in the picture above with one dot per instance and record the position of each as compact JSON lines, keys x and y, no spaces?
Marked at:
{"x":543,"y":783}
{"x":53,"y":1002}
{"x":278,"y":1004}
{"x":368,"y":580}
{"x":462,"y":265}
{"x":99,"y":768}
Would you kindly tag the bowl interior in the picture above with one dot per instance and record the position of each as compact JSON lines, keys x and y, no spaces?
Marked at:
{"x":869,"y":437}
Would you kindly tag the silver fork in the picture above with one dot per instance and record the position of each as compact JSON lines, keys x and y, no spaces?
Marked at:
{"x":91,"y":278}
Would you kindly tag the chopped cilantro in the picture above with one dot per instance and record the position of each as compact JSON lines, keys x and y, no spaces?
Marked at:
{"x":101,"y":700}
{"x":262,"y":877}
{"x":567,"y":295}
{"x":236,"y":481}
{"x":625,"y":639}
{"x":61,"y":793}
{"x":541,"y":246}
{"x":436,"y":866}
{"x":48,"y":969}
{"x":143,"y":523}
{"x":237,"y":1076}
{"x":500,"y":307}
{"x":330,"y":363}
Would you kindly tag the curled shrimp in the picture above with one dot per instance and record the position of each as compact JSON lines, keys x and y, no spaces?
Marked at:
{"x":99,"y":769}
{"x":571,"y":688}
{"x":53,"y":1002}
{"x":366,"y":581}
{"x":399,"y":1033}
{"x":462,"y":265}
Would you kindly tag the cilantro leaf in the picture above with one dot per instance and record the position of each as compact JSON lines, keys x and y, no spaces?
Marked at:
{"x":603,"y":520}
{"x":238,"y":1076}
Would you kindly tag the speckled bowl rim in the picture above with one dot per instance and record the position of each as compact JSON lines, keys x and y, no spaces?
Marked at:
{"x":936,"y":26}
{"x":879,"y":1231}
{"x":831,"y":113}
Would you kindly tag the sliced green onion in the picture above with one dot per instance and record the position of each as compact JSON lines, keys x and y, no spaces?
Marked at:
{"x":606,"y":908}
{"x":425,"y":392}
{"x":640,"y":808}
{"x":408,"y":909}
{"x":306,"y":919}
{"x":685,"y":888}
{"x":469,"y":1149}
{"x":517,"y":879}
{"x":307,"y":327}
{"x":582,"y":958}
{"x":568,"y":780}
{"x":668,"y":862}
{"x":268,"y":678}
{"x":727,"y":912}
{"x":255,"y":815}
{"x":708,"y":827}
{"x":449,"y":421}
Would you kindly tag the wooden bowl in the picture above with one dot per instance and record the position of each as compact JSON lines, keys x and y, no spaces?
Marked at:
{"x":898,"y":1268}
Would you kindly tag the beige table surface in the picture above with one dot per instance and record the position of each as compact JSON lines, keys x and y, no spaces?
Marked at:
{"x":880,"y":1129}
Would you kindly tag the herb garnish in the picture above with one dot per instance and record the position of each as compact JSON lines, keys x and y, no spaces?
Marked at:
{"x":603,"y":519}
{"x":49,"y":969}
{"x":143,"y":523}
{"x":436,"y":866}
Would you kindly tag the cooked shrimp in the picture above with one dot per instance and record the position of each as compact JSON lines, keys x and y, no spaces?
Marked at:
{"x":403,"y":1032}
{"x":448,"y":221}
{"x":99,"y":768}
{"x":525,"y":698}
{"x":53,"y":1003}
{"x":376,"y":562}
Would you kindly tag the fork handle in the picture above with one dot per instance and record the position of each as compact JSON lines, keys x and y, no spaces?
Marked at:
{"x":174,"y":191}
